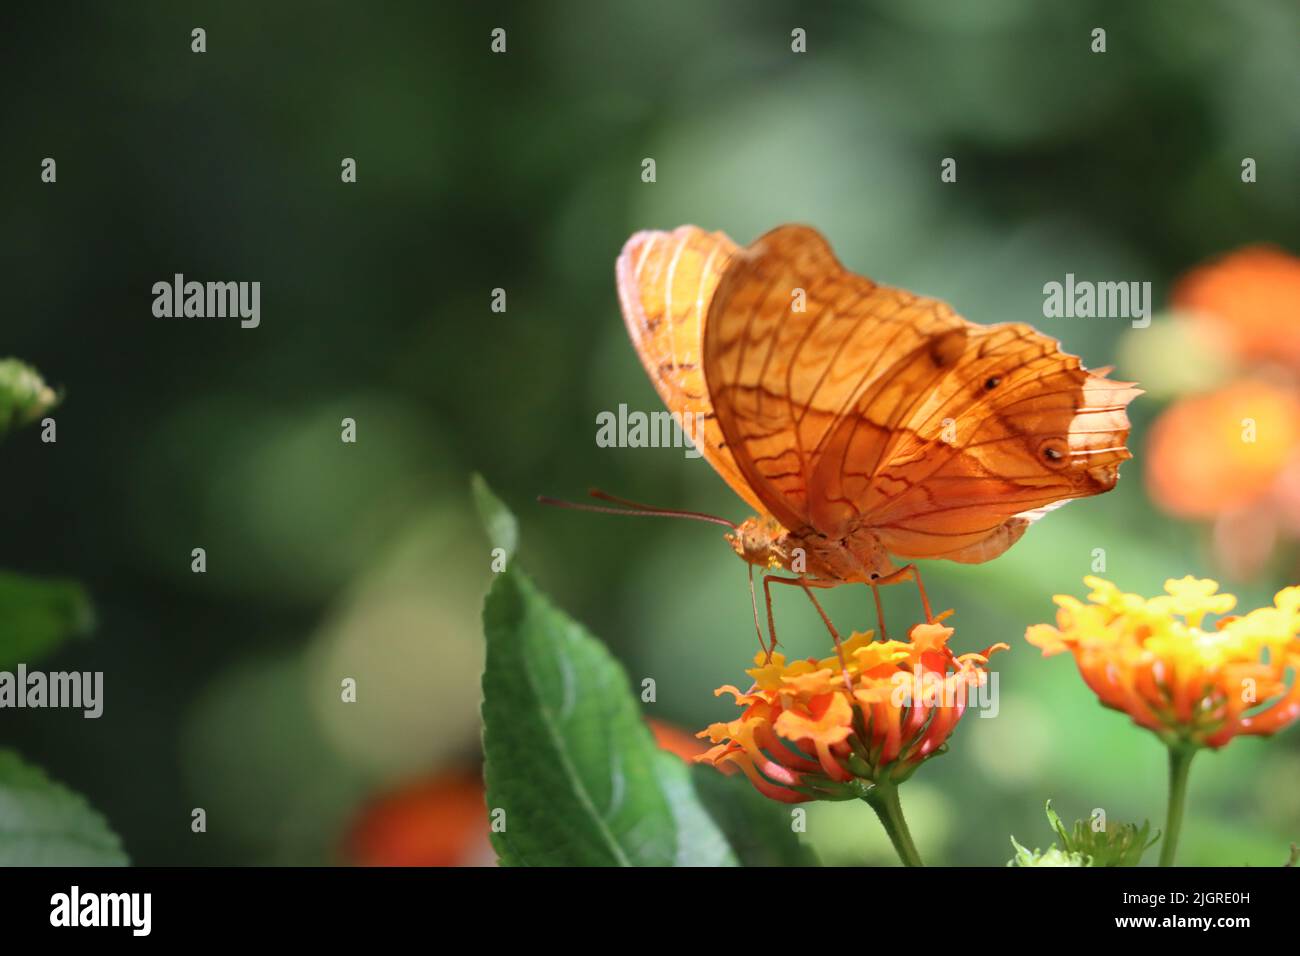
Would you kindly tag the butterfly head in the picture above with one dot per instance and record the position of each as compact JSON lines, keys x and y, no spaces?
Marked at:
{"x":760,"y":540}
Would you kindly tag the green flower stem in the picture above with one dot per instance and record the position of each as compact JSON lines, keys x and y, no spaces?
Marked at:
{"x":883,"y":798}
{"x":1180,"y":762}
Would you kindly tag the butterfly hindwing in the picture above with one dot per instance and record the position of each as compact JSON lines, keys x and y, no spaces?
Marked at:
{"x":792,"y":344}
{"x":849,"y":405}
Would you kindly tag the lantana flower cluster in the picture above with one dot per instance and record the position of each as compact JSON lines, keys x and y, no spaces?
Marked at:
{"x":832,"y":728}
{"x":1159,"y":662}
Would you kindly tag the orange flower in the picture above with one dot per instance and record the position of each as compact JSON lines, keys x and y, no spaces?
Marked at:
{"x":817,"y":729}
{"x":1251,"y":299}
{"x":680,"y":743}
{"x":1223,"y":451}
{"x":1153,"y":659}
{"x":441,"y":820}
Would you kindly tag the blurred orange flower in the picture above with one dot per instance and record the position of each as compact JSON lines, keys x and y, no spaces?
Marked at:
{"x":1232,"y":454}
{"x":441,"y":820}
{"x":681,"y":743}
{"x":1249,"y":299}
{"x":1214,"y":453}
{"x":1155,"y":661}
{"x":821,"y":729}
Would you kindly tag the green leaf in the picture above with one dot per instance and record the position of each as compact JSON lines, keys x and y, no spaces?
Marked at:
{"x":24,"y":396}
{"x":43,"y":823}
{"x":699,"y":840}
{"x":567,"y":755}
{"x":501,"y":527}
{"x":759,"y":830}
{"x":38,"y":614}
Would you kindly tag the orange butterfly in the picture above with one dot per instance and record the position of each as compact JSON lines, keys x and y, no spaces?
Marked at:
{"x":860,"y":422}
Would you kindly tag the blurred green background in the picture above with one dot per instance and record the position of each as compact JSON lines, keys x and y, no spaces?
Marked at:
{"x":522,"y":171}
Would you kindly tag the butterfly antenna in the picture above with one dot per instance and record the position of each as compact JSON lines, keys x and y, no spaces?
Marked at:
{"x":632,"y":508}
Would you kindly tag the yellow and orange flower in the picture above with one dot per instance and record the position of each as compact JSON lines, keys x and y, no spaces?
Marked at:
{"x":825,"y":729}
{"x":1155,"y":660}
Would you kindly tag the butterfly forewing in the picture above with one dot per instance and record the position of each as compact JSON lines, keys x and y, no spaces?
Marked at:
{"x":666,"y":281}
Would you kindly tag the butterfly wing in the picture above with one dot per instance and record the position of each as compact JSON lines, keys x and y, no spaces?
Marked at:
{"x":1019,"y":428}
{"x":792,"y":344}
{"x":849,"y":405}
{"x":666,"y":281}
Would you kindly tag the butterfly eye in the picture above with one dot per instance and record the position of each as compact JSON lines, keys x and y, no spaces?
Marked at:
{"x":991,"y":383}
{"x":1053,"y":452}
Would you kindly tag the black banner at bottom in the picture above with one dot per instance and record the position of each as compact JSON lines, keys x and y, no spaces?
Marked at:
{"x":237,"y":904}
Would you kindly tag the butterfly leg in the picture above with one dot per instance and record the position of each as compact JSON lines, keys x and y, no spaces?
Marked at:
{"x":771,"y":624}
{"x":925,"y":598}
{"x":753,"y":602}
{"x":807,"y":589}
{"x":880,"y":613}
{"x":910,"y":572}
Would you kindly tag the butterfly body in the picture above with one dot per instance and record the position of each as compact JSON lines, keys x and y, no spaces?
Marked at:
{"x":859,"y":557}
